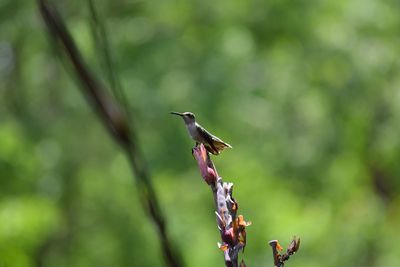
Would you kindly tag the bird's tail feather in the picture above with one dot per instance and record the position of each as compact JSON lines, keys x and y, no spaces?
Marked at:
{"x":216,"y":147}
{"x":221,"y":145}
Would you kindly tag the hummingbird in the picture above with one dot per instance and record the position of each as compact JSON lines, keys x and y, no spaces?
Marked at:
{"x":212,"y":143}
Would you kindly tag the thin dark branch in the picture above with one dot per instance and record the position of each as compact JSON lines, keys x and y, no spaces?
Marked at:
{"x":112,"y":114}
{"x":109,"y":111}
{"x":103,"y":44}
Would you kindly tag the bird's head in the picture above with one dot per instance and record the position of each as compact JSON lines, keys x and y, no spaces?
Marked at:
{"x":188,"y":117}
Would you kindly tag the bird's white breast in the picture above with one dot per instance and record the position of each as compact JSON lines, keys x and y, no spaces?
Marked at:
{"x":192,"y":129}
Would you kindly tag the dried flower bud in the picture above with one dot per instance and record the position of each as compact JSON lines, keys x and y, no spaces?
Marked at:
{"x":279,"y":247}
{"x":242,"y":222}
{"x":211,"y":176}
{"x":294,"y":246}
{"x":222,"y":247}
{"x":207,"y":172}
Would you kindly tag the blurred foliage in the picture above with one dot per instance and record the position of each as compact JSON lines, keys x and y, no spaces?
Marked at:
{"x":306,"y":92}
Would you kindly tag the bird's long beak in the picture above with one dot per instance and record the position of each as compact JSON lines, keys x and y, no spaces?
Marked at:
{"x":177,"y":113}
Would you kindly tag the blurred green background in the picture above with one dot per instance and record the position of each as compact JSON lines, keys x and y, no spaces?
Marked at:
{"x":307,"y":92}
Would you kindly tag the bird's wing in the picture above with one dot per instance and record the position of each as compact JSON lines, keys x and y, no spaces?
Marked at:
{"x":209,"y":138}
{"x":218,"y":140}
{"x":216,"y":143}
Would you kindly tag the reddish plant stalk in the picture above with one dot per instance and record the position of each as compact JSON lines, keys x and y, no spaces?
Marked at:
{"x":231,"y":226}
